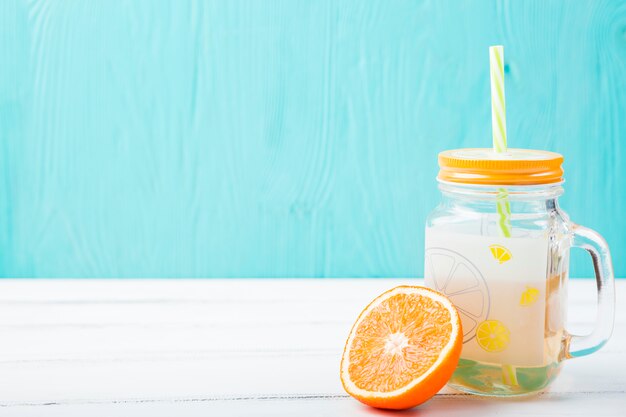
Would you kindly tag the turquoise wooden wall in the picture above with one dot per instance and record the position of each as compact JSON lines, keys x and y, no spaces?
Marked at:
{"x":288,"y":138}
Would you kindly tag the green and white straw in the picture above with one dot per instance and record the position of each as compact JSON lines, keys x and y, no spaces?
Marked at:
{"x":504,"y":211}
{"x":498,"y":104}
{"x":498,"y":128}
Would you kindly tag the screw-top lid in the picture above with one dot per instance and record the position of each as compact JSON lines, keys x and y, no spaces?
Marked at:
{"x":513,"y":167}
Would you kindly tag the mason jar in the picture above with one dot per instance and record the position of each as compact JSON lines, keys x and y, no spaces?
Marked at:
{"x":497,"y":246}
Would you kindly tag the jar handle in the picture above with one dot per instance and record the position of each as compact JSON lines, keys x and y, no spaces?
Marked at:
{"x":597,"y":247}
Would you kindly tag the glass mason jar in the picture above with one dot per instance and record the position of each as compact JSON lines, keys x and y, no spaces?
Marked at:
{"x":498,"y":246}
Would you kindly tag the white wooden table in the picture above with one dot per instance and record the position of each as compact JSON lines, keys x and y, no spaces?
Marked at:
{"x":237,"y":348}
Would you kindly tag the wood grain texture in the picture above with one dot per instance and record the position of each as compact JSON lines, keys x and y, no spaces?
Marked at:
{"x":285,"y":138}
{"x":237,"y":348}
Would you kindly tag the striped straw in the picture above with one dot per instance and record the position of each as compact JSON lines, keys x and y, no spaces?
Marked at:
{"x":498,"y":105}
{"x":498,"y":128}
{"x":504,"y":210}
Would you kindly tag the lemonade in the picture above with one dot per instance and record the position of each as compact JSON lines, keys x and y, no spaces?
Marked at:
{"x":512,"y":316}
{"x":481,"y":377}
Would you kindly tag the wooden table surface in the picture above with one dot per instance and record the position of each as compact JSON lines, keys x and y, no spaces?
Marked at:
{"x":238,"y":348}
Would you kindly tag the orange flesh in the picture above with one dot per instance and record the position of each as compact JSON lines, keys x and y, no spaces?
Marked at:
{"x":398,"y":341}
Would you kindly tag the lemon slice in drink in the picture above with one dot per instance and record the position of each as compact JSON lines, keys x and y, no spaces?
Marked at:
{"x":529,"y":296}
{"x":493,"y":336}
{"x":458,"y":278}
{"x":500,"y":253}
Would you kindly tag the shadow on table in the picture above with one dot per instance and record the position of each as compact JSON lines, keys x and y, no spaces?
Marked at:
{"x":440,"y":403}
{"x":460,"y":404}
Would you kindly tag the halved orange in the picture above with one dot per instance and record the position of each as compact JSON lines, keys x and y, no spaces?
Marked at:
{"x":402,"y":349}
